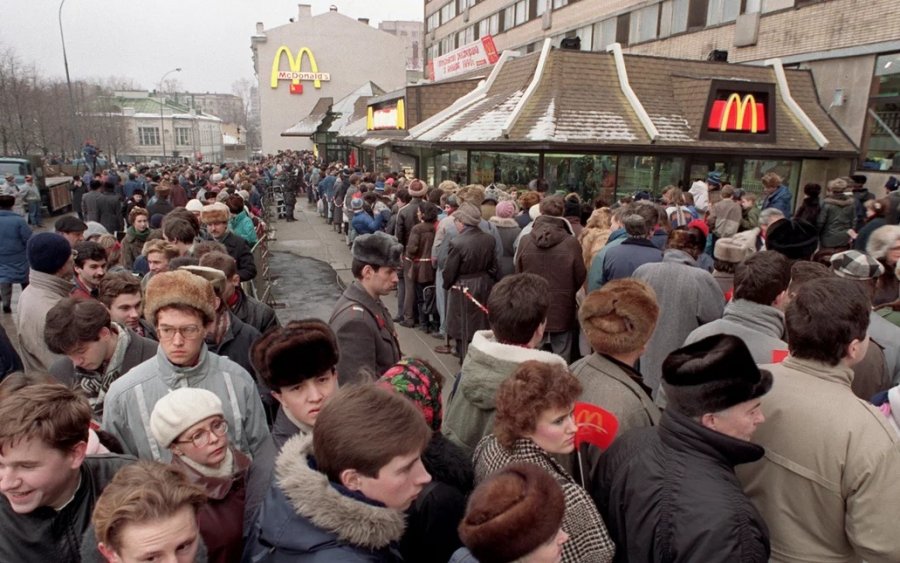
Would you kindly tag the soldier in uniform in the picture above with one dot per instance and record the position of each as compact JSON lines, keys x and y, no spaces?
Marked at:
{"x":363,"y":326}
{"x":289,"y":188}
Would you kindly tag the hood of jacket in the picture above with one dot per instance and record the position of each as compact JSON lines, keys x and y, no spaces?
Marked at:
{"x":549,"y":231}
{"x":761,"y":318}
{"x":487,"y":364}
{"x":313,"y":497}
{"x":838,"y":199}
{"x":447,"y":463}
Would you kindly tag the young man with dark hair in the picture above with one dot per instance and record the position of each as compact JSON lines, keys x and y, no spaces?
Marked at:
{"x":181,"y":307}
{"x":829,"y":455}
{"x":365,"y":331}
{"x":517,"y":313}
{"x":120,"y":292}
{"x":756,"y":313}
{"x":90,"y":267}
{"x":216,"y":217}
{"x":48,"y":483}
{"x":251,"y":311}
{"x":340,"y":494}
{"x":179,"y":232}
{"x":97,"y":350}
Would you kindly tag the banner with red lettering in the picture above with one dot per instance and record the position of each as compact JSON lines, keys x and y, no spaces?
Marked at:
{"x":467,"y":58}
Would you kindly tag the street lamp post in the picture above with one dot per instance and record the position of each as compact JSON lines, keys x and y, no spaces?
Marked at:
{"x":162,"y":103}
{"x":62,"y":37}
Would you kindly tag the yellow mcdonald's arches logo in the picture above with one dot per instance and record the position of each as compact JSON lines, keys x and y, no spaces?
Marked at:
{"x":370,"y":119}
{"x":401,"y":115}
{"x":295,"y":74}
{"x":735,"y":100}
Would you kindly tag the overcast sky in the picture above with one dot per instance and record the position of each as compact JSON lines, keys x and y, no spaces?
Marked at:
{"x":143,"y":39}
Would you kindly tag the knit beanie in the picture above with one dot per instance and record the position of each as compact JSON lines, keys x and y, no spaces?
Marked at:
{"x":48,"y":252}
{"x":416,"y":380}
{"x":178,"y":288}
{"x":620,"y":317}
{"x":512,"y":513}
{"x":180,"y":409}
{"x":468,"y":214}
{"x":194,"y":205}
{"x":505,"y":209}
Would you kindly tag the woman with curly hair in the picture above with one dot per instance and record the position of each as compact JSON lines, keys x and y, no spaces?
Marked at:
{"x":535,"y":420}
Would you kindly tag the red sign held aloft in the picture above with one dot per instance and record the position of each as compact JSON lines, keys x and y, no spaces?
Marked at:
{"x":596,"y":426}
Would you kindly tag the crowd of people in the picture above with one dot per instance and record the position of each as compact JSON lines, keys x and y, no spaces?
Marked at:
{"x":742,"y":358}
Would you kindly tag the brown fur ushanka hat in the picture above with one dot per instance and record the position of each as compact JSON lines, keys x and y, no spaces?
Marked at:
{"x":512,"y":513}
{"x":619,"y":317}
{"x":178,"y":288}
{"x":216,"y":212}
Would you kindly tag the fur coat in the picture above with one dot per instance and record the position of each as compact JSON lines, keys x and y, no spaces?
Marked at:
{"x":595,"y":234}
{"x":305,"y":518}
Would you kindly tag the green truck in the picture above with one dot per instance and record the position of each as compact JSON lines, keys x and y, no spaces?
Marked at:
{"x":53,"y":182}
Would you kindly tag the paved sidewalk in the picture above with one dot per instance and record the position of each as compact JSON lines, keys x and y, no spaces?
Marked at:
{"x":310,"y":237}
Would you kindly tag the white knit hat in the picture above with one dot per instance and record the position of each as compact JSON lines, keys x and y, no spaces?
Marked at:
{"x":179,"y":410}
{"x":194,"y":205}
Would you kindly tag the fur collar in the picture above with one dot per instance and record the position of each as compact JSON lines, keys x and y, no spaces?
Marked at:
{"x":314,"y":498}
{"x":504,"y":221}
{"x":484,"y":341}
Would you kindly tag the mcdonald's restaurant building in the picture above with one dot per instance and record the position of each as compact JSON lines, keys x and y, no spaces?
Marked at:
{"x":324,"y":56}
{"x":613,"y":124}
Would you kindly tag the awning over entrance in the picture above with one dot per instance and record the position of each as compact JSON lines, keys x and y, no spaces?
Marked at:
{"x":307,"y":126}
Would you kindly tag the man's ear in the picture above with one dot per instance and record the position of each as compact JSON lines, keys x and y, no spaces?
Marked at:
{"x":855,"y":350}
{"x":77,"y":454}
{"x":350,"y":478}
{"x":107,"y":553}
{"x":236,"y":280}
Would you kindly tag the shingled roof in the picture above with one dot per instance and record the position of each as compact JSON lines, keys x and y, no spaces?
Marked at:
{"x":578,"y":103}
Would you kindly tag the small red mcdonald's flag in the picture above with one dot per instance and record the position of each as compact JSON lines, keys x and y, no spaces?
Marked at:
{"x":296,"y":88}
{"x":596,"y":426}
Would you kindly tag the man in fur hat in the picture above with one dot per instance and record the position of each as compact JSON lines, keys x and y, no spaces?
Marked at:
{"x":364,"y":328}
{"x":216,"y":216}
{"x":714,"y":391}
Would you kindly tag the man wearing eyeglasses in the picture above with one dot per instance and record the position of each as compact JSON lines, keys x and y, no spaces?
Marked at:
{"x":180,"y":305}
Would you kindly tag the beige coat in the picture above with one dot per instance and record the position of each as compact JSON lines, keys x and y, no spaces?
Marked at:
{"x":607,"y":384}
{"x":43,"y":292}
{"x":829,"y":484}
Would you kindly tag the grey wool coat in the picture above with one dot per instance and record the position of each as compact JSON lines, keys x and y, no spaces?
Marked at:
{"x":365,"y":335}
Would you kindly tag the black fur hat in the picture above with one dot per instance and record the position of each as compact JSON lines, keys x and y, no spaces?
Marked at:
{"x":285,"y":356}
{"x":378,"y":249}
{"x":712,"y":375}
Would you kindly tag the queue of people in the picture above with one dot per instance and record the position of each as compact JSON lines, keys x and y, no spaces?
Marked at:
{"x":173,"y":417}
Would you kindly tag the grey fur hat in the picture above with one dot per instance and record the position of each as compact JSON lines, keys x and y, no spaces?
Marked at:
{"x":378,"y":249}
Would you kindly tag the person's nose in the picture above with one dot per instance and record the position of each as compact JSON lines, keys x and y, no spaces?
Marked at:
{"x":422,"y":475}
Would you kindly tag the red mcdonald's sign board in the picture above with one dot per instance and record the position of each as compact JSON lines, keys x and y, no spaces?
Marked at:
{"x":595,"y":425}
{"x":738,"y":113}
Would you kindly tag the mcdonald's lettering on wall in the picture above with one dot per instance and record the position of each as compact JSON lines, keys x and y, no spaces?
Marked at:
{"x":295,"y":72}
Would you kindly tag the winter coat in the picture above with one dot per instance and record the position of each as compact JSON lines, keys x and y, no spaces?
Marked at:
{"x":239,"y":250}
{"x":48,"y":535}
{"x":839,"y":472}
{"x":133,"y":245}
{"x":470,"y":411}
{"x":809,"y":210}
{"x":688,"y":297}
{"x":365,"y":224}
{"x":624,"y":259}
{"x":254,"y":312}
{"x":862,"y":237}
{"x":406,"y":220}
{"x":131,"y":398}
{"x":588,"y":540}
{"x":726,"y":217}
{"x":761,"y":327}
{"x":508,"y":229}
{"x":283,"y":429}
{"x":749,"y":218}
{"x":835,"y":219}
{"x":889,"y":314}
{"x":43,"y":292}
{"x":594,"y":235}
{"x":595,"y":272}
{"x":552,"y":253}
{"x":780,"y":199}
{"x":236,"y":344}
{"x":308,"y":519}
{"x":887,"y":336}
{"x":463,"y":555}
{"x":242,"y":225}
{"x":471,"y":264}
{"x":110,"y":208}
{"x":95,"y":385}
{"x":669,"y":494}
{"x":432,"y":520}
{"x":14,"y":235}
{"x":91,"y":206}
{"x":418,"y":252}
{"x":365,"y":333}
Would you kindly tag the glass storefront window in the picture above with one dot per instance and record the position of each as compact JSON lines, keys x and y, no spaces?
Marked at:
{"x":447,"y":165}
{"x":883,"y":119}
{"x":635,"y":174}
{"x":512,"y":169}
{"x":789,"y":170}
{"x":589,"y":175}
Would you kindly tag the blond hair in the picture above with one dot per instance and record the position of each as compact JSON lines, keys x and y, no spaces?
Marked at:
{"x":159,"y":245}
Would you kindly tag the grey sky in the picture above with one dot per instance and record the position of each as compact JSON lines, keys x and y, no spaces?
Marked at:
{"x":143,"y":39}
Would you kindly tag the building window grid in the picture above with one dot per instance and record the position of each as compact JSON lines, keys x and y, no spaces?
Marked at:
{"x":148,"y":136}
{"x":644,"y":24}
{"x":182,"y":136}
{"x":722,"y":11}
{"x":557,"y":4}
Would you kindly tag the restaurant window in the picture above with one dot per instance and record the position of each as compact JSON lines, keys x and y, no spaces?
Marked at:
{"x":148,"y":135}
{"x":604,"y":33}
{"x":644,"y":24}
{"x":673,"y":17}
{"x":754,"y":169}
{"x":882,"y":136}
{"x":635,"y":174}
{"x":511,"y":169}
{"x":589,"y":175}
{"x":722,"y":11}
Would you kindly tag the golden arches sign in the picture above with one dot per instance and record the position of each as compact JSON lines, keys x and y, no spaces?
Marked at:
{"x":295,"y":74}
{"x":735,"y":99}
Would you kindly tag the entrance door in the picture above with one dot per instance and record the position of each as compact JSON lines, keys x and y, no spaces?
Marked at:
{"x":729,"y":169}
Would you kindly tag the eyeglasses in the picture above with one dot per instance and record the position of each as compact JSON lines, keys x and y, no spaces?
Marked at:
{"x":202,"y":437}
{"x":189,"y":332}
